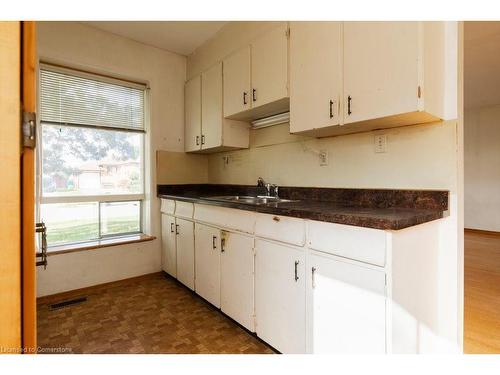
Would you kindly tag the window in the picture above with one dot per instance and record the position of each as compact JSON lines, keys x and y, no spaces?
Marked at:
{"x":91,"y":159}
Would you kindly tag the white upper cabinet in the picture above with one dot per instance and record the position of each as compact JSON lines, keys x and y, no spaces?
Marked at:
{"x":349,"y":77}
{"x":237,"y":88}
{"x":316,"y":69}
{"x":270,"y":67}
{"x":256,"y":77}
{"x":211,"y":107}
{"x":215,"y":133}
{"x":381,"y":69}
{"x":192,"y":129}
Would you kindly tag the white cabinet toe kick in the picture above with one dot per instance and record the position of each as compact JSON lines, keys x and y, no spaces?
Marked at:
{"x":307,"y":286}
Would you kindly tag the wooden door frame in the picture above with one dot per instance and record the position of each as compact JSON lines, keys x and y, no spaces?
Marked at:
{"x":28,"y":256}
{"x":10,"y":187}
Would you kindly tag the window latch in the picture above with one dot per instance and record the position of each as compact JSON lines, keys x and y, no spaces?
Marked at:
{"x":41,"y":228}
{"x":29,"y":129}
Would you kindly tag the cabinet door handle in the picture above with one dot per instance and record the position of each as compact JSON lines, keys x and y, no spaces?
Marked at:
{"x":296,"y":275}
{"x":349,"y":99}
{"x":176,"y":228}
{"x":203,"y":139}
{"x":313,"y":271}
{"x":244,"y":98}
{"x":254,"y":96}
{"x":197,"y":140}
{"x":331,"y":108}
{"x":214,"y":242}
{"x":171,"y":227}
{"x":222,"y":245}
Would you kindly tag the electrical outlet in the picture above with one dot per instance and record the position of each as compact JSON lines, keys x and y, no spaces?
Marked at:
{"x":380,"y":143}
{"x":323,"y":158}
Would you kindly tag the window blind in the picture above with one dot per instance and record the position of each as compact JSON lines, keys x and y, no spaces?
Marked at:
{"x":75,"y":100}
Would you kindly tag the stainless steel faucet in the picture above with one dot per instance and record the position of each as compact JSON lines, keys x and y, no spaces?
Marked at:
{"x":268,"y":186}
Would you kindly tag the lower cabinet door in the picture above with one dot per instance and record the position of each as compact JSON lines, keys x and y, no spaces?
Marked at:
{"x":185,"y":252}
{"x":207,"y":263}
{"x":345,"y":307}
{"x":168,"y":246}
{"x":280,"y":296}
{"x":237,"y":267}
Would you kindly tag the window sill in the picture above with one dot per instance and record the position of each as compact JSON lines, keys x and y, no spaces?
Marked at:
{"x":99,"y":244}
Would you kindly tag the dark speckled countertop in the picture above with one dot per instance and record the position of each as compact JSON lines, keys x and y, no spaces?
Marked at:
{"x":371,"y":208}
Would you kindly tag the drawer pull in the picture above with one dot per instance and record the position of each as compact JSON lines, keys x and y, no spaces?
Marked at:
{"x":214,"y":242}
{"x":276,"y":218}
{"x":176,"y":228}
{"x":296,"y":275}
{"x":171,"y":227}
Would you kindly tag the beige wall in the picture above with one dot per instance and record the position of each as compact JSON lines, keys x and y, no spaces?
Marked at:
{"x":230,"y":38}
{"x":76,"y":45}
{"x":418,"y":157}
{"x":482,"y":168}
{"x":181,"y":168}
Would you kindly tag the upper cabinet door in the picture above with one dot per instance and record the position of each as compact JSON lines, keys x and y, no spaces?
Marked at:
{"x":211,"y":107}
{"x":315,"y":75}
{"x":192,"y":132}
{"x":381,"y":69}
{"x":237,"y":96}
{"x":270,"y":67}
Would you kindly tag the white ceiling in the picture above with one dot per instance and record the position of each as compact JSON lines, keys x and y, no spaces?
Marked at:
{"x":181,"y":37}
{"x":481,"y":64}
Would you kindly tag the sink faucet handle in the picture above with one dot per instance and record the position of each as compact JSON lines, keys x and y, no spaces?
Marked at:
{"x":260,"y":182}
{"x":275,"y":187}
{"x":268,"y":189}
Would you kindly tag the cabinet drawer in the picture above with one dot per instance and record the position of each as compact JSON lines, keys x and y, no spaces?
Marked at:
{"x":184,"y":209}
{"x":230,"y":218}
{"x":167,"y":206}
{"x":363,"y":244}
{"x":281,"y":228}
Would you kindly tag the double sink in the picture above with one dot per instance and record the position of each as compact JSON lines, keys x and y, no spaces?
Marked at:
{"x":245,"y":199}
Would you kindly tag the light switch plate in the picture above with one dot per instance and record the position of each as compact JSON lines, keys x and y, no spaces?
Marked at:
{"x":380,"y":143}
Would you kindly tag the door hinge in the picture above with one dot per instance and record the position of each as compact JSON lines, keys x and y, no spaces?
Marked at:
{"x":419,"y":92}
{"x":28,"y":128}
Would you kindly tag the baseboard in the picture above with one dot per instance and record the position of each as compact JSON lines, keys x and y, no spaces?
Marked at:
{"x":91,"y":289}
{"x":481,"y":231}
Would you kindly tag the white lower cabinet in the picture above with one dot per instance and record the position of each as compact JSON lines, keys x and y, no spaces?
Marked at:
{"x":207,"y":263}
{"x":168,"y":245}
{"x":185,"y":252}
{"x":346,"y":306}
{"x":280,"y":295}
{"x":237,"y":278}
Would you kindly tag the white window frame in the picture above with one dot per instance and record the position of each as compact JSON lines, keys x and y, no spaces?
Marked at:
{"x":141,"y":197}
